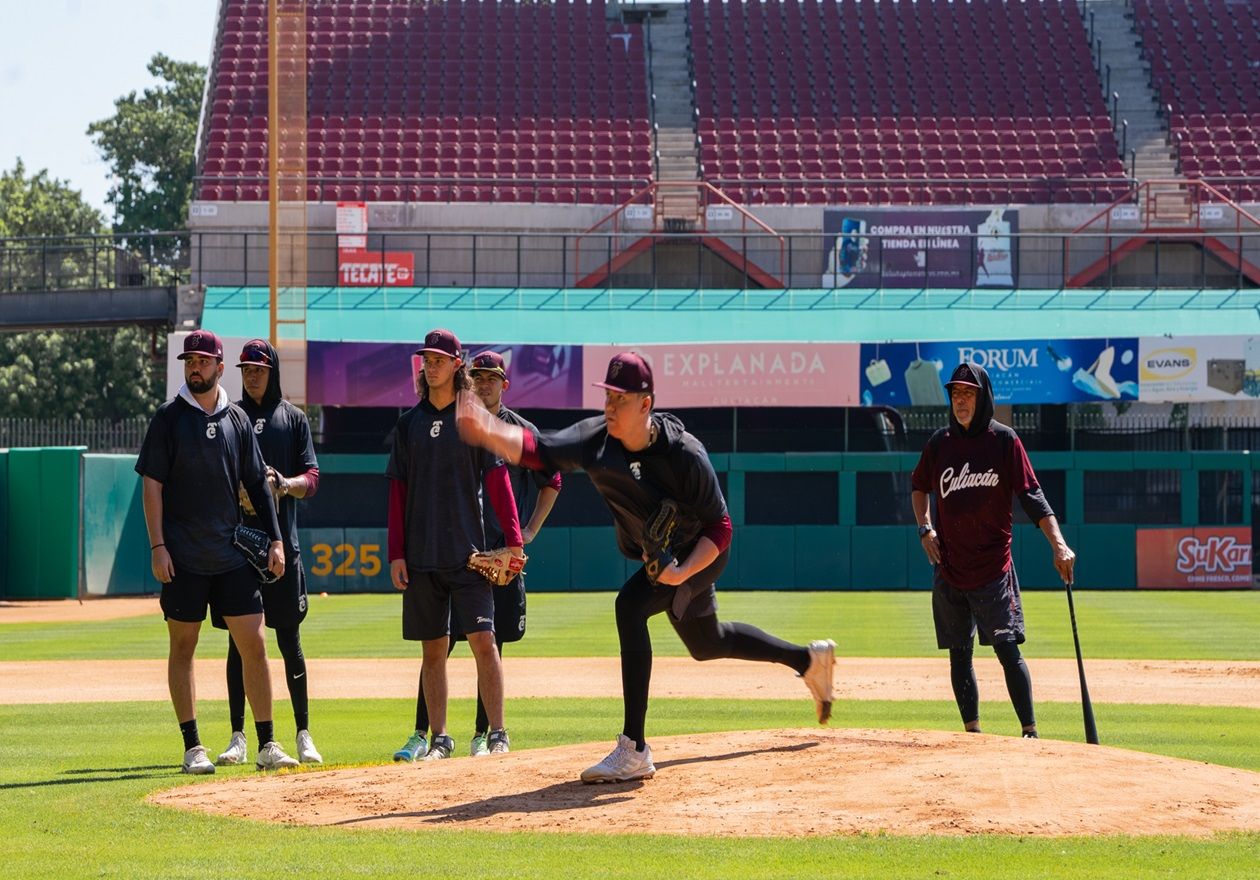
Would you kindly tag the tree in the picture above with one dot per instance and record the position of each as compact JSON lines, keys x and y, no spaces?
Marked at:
{"x":69,"y":373}
{"x":150,"y":144}
{"x":43,"y":205}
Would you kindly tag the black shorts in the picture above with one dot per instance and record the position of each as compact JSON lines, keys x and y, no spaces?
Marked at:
{"x":995,"y":610}
{"x":431,"y":595}
{"x":284,"y":601}
{"x":509,"y":613}
{"x":233,"y":593}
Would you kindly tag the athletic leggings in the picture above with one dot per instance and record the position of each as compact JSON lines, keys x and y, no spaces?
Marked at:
{"x":705,"y":637}
{"x":962,"y":675}
{"x":422,"y":708}
{"x":290,"y":643}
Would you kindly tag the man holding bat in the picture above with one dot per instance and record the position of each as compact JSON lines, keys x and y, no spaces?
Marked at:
{"x":974,"y":467}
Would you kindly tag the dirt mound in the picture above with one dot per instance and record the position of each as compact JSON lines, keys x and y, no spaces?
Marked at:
{"x":786,"y":783}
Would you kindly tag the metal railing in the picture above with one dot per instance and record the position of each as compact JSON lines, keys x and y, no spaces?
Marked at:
{"x":91,"y":262}
{"x":98,"y":435}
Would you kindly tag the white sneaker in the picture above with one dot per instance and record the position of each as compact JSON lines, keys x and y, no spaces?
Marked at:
{"x":272,"y":757}
{"x":237,"y":751}
{"x":497,"y":742}
{"x":479,"y":746}
{"x":415,"y":748}
{"x":623,"y":764}
{"x":307,"y":753}
{"x":197,"y":762}
{"x":819,"y":677}
{"x":441,"y":748}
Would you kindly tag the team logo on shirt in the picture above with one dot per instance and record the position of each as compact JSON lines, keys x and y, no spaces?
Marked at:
{"x":965,"y":479}
{"x":259,"y":424}
{"x":637,"y":470}
{"x":212,"y":430}
{"x":435,"y":429}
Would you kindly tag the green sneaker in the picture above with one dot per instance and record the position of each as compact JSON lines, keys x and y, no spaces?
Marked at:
{"x":415,"y":748}
{"x":479,"y":746}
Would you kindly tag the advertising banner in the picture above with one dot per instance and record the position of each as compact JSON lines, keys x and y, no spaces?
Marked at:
{"x":374,"y":269}
{"x":1022,"y":371}
{"x":382,"y":374}
{"x":908,"y":248}
{"x":738,"y":374}
{"x":1199,"y":368}
{"x":1203,"y":558}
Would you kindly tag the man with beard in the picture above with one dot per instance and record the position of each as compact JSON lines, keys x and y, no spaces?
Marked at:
{"x":637,"y":459}
{"x":974,"y":467}
{"x":284,"y":438}
{"x":198,"y":450}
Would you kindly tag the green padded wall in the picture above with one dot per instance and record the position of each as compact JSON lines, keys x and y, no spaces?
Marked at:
{"x":43,"y":523}
{"x":115,"y":541}
{"x":4,"y":522}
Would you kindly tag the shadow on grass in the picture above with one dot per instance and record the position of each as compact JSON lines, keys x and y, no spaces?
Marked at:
{"x":100,"y":774}
{"x":571,"y":795}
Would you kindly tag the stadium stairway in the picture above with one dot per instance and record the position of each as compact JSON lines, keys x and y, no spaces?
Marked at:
{"x":673,"y":114}
{"x":1113,"y":32}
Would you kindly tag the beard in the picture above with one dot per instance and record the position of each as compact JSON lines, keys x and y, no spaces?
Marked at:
{"x":200,"y":385}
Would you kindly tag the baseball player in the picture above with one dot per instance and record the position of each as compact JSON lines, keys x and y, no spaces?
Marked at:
{"x":435,"y":524}
{"x":199,"y":448}
{"x":284,"y":438}
{"x":639,"y":459}
{"x":973,"y":467}
{"x":489,"y":378}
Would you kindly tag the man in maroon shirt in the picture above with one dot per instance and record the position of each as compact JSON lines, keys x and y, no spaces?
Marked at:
{"x":974,"y":467}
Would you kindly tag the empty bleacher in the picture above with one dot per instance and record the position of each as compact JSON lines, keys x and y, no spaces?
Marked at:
{"x":901,"y":103}
{"x":469,"y":101}
{"x":1205,"y":66}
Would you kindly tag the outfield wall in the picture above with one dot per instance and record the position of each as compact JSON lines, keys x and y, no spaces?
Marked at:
{"x":74,"y":525}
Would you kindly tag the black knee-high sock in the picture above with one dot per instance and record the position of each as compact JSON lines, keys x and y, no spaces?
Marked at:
{"x":636,"y":661}
{"x":962,"y":675}
{"x":191,"y":737}
{"x":290,"y":642}
{"x":235,"y":687}
{"x":1018,"y":681}
{"x":266,"y":732}
{"x":707,"y":639}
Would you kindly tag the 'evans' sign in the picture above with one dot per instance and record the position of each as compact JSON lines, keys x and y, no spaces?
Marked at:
{"x":1208,"y":557}
{"x":370,"y":269}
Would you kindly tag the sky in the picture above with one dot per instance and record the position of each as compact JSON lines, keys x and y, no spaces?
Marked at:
{"x":63,"y":63}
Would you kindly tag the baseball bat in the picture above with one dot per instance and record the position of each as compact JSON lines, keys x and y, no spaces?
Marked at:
{"x":1091,"y":730}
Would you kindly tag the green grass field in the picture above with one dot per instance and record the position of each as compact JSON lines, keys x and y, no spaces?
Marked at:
{"x":73,"y":777}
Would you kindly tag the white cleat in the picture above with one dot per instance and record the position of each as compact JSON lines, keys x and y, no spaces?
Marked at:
{"x":237,"y":751}
{"x":479,"y":747}
{"x":272,"y":757}
{"x":623,"y":764}
{"x":307,"y":753}
{"x":497,"y":742}
{"x":197,"y":762}
{"x":819,"y":677}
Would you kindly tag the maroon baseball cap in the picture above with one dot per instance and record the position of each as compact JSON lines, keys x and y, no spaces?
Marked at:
{"x":489,"y":362}
{"x":628,"y":372}
{"x":255,"y":352}
{"x":440,"y":342}
{"x":202,"y":342}
{"x":964,"y":375}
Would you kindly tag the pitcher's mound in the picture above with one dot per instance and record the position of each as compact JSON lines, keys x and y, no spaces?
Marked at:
{"x":782,"y":783}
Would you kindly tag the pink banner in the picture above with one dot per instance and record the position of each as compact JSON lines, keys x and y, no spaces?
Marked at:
{"x":737,"y":374}
{"x":371,"y":269}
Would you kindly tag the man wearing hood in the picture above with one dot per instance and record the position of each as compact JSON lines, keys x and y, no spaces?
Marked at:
{"x":284,"y":437}
{"x":198,"y":451}
{"x":636,"y":458}
{"x":974,"y":467}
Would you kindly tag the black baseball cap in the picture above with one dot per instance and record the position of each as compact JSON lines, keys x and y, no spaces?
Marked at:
{"x":255,"y":352}
{"x":440,"y":342}
{"x":964,"y":375}
{"x":202,"y":342}
{"x":628,"y":372}
{"x":489,"y":362}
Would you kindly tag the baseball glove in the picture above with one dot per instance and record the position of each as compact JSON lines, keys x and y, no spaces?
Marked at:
{"x":658,"y":536}
{"x":499,"y":567}
{"x":254,"y":546}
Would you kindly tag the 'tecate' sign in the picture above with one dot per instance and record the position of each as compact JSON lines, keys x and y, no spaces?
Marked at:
{"x":368,"y":269}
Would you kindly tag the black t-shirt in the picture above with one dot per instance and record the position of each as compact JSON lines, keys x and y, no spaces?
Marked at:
{"x":442,"y":516}
{"x":633,"y":484}
{"x":200,"y":459}
{"x":974,"y":480}
{"x":284,"y":438}
{"x":526,"y":485}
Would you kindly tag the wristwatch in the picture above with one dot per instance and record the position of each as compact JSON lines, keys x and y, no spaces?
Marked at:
{"x":923,"y":530}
